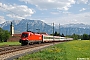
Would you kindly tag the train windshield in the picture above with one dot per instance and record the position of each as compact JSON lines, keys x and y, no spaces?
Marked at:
{"x":24,"y":35}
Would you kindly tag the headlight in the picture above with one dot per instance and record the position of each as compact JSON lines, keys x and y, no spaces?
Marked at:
{"x":26,"y":38}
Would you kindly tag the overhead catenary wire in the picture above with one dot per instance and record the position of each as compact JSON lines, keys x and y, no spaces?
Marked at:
{"x":11,"y":12}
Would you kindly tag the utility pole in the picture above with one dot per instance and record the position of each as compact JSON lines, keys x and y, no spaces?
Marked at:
{"x":27,"y":27}
{"x":53,"y":31}
{"x":66,"y":34}
{"x":59,"y":29}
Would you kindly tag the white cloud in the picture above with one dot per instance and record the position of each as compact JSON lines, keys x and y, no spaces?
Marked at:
{"x":82,"y":9}
{"x":66,"y":12}
{"x":16,"y":11}
{"x":82,"y":1}
{"x":72,"y":18}
{"x":51,"y":4}
{"x":55,"y":13}
{"x":2,"y":20}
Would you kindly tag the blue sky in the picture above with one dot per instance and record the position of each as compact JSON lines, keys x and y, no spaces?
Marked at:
{"x":49,"y":11}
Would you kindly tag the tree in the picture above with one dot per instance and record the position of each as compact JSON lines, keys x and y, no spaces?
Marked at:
{"x":62,"y":35}
{"x":1,"y":35}
{"x":75,"y":36}
{"x":85,"y":37}
{"x":56,"y":34}
{"x":4,"y":35}
{"x":89,"y":36}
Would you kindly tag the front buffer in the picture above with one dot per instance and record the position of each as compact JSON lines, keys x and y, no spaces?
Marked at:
{"x":23,"y":42}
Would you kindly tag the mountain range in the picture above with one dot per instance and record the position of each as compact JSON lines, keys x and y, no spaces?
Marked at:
{"x":40,"y":26}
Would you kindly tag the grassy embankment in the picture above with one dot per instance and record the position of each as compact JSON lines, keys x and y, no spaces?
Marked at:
{"x":64,"y":51}
{"x":9,"y":43}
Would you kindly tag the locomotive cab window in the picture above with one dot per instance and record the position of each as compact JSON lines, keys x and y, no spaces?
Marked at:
{"x":24,"y":35}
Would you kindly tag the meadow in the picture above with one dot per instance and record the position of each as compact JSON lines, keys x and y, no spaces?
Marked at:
{"x":9,"y":43}
{"x":72,"y":50}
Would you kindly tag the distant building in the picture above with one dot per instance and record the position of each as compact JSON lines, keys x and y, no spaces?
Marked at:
{"x":14,"y":38}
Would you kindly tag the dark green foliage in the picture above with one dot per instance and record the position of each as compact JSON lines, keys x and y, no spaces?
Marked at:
{"x":56,"y":34}
{"x":76,"y":37}
{"x":62,"y":35}
{"x":85,"y":37}
{"x":4,"y":35}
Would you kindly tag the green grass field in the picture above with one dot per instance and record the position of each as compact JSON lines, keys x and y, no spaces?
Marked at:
{"x":9,"y":43}
{"x":72,"y":50}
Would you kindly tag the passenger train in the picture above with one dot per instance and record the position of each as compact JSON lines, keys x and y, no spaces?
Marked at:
{"x":32,"y":37}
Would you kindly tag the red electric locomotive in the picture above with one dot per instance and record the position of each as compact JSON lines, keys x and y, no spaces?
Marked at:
{"x":30,"y":38}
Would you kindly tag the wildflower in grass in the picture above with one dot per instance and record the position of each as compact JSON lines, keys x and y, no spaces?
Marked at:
{"x":56,"y":50}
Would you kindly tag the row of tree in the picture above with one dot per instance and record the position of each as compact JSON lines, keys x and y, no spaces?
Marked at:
{"x":4,"y":35}
{"x":82,"y":37}
{"x":74,"y":36}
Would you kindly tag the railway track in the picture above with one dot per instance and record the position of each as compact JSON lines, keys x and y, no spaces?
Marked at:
{"x":5,"y":50}
{"x":10,"y":51}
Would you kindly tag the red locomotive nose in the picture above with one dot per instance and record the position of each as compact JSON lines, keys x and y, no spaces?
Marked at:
{"x":24,"y":38}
